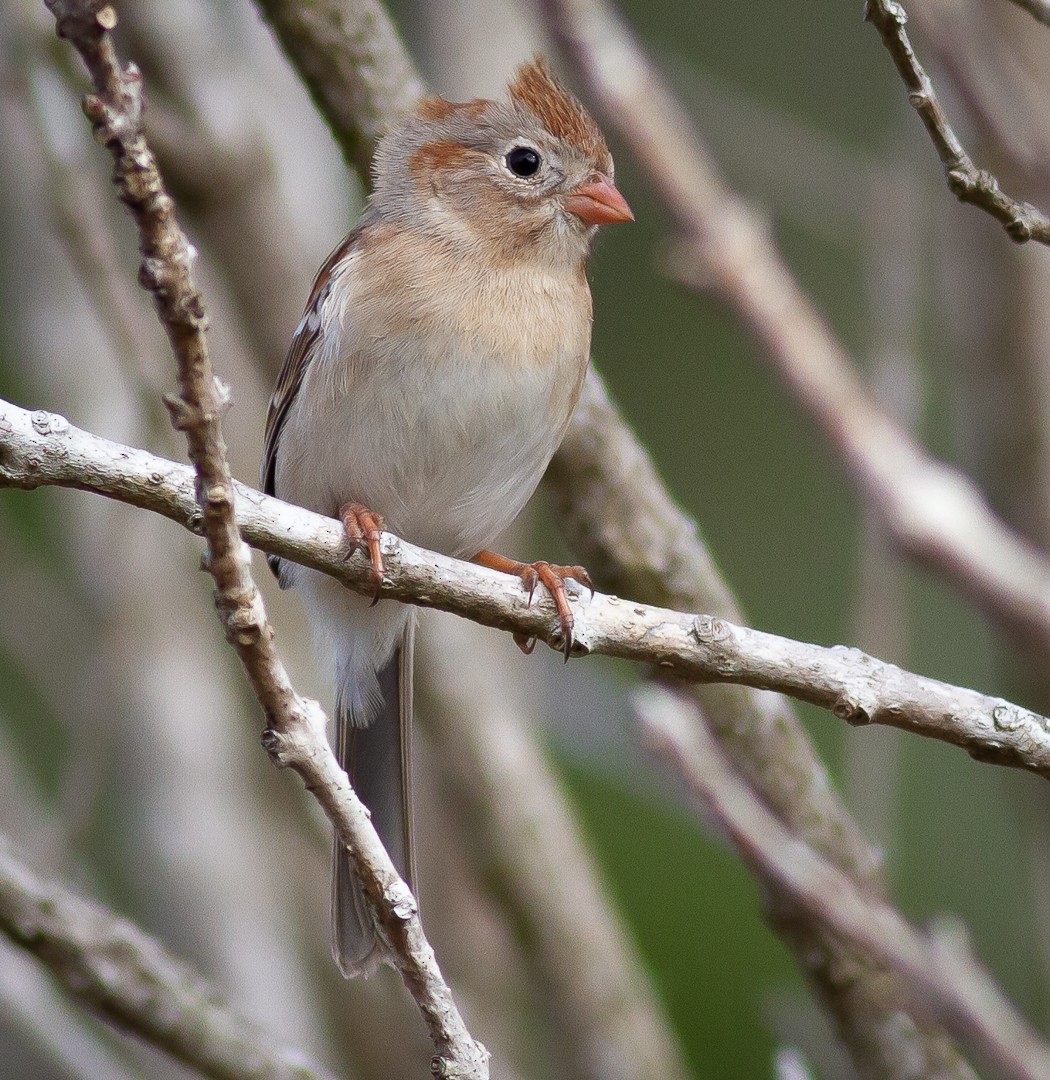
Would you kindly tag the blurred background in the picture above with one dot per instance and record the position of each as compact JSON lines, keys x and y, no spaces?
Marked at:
{"x":129,"y":758}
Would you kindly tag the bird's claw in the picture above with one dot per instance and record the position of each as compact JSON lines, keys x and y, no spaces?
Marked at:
{"x":553,"y":577}
{"x":363,"y":528}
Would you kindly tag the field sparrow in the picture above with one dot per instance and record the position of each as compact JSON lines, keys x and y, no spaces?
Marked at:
{"x":427,"y":386}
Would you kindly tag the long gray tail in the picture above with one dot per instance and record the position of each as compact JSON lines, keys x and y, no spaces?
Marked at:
{"x":376,"y":751}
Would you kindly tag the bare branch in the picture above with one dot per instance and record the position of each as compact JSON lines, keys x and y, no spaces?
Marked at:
{"x":933,"y":513}
{"x":126,"y":978}
{"x":40,"y":448}
{"x":942,"y":977}
{"x":968,"y":184}
{"x":296,"y":733}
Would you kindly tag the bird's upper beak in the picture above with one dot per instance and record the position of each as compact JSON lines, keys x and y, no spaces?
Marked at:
{"x":597,"y":202}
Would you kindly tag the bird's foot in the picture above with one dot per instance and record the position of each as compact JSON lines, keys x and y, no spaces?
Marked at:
{"x":553,"y":578}
{"x":363,"y":528}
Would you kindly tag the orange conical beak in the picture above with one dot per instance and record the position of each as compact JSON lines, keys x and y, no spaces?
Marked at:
{"x":597,"y":202}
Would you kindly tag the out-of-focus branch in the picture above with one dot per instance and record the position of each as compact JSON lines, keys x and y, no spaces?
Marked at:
{"x":127,"y":979}
{"x":527,"y":840}
{"x":1021,"y":220}
{"x":1038,"y":9}
{"x":941,"y":976}
{"x":933,"y":513}
{"x":352,"y":60}
{"x":296,"y":733}
{"x":637,"y":541}
{"x":621,"y":519}
{"x":38,"y":449}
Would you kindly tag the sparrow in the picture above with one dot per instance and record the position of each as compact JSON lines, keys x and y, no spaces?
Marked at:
{"x":427,"y":386}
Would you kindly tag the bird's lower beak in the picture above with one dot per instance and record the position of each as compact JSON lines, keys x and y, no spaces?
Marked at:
{"x":597,"y":202}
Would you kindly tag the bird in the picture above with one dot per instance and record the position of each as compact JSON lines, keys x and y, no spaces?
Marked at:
{"x":433,"y":375}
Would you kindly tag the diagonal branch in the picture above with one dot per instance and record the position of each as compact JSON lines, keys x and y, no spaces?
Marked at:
{"x":351,"y":59}
{"x":968,"y":184}
{"x":39,"y":449}
{"x":942,"y":978}
{"x":296,"y":727}
{"x":1038,"y":9}
{"x":126,"y":978}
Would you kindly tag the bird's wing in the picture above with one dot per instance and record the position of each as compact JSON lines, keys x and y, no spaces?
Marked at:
{"x":293,"y":370}
{"x":300,"y":353}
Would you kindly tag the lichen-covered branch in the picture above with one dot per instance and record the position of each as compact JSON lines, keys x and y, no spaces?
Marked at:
{"x":296,"y":734}
{"x":38,"y":449}
{"x":126,"y":978}
{"x":941,"y":976}
{"x":968,"y":184}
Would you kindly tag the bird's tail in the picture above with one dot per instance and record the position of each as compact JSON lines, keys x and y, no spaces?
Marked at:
{"x":374,"y":745}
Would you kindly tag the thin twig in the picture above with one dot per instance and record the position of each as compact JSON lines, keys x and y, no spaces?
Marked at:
{"x":942,"y":977}
{"x":1021,"y":220}
{"x":126,"y":978}
{"x":296,"y":727}
{"x":39,"y":449}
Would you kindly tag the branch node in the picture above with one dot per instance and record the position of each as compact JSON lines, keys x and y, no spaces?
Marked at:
{"x":48,"y":423}
{"x":96,"y":110}
{"x":243,"y":625}
{"x":1007,"y":717}
{"x":709,"y":629}
{"x":853,"y":712}
{"x":960,"y":181}
{"x":1019,"y":228}
{"x":401,"y":901}
{"x":218,"y":496}
{"x":183,"y":416}
{"x":277,"y":746}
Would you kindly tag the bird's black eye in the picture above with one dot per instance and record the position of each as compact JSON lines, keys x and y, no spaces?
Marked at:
{"x":523,"y":161}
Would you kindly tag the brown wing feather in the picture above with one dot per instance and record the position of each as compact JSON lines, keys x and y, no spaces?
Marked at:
{"x":293,"y":370}
{"x":300,"y":352}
